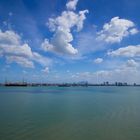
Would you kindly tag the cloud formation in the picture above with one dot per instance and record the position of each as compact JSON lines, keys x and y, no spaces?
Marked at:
{"x":12,"y":48}
{"x":124,"y":73}
{"x":98,"y":60}
{"x":45,"y":70}
{"x":116,"y":30}
{"x":21,"y":61}
{"x":62,"y":27}
{"x":129,"y":51}
{"x":132,"y":63}
{"x":71,"y":5}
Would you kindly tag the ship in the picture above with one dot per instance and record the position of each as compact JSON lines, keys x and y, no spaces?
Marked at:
{"x":16,"y":84}
{"x":64,"y":85}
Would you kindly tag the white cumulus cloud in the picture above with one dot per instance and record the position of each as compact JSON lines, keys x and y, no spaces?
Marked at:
{"x":71,"y":5}
{"x":14,"y":50}
{"x":133,"y":31}
{"x":116,"y":30}
{"x":129,"y":51}
{"x":98,"y":60}
{"x":21,"y":61}
{"x":62,"y":27}
{"x":45,"y":70}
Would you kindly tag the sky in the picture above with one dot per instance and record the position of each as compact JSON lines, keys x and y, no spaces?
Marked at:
{"x":70,"y":41}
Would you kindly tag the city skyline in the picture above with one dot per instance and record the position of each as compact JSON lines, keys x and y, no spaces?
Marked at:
{"x":70,"y":41}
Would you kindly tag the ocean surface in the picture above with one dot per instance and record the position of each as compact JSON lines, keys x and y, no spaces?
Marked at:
{"x":69,"y":113}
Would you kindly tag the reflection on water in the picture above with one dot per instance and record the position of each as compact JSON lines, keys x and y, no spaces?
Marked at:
{"x":70,"y":113}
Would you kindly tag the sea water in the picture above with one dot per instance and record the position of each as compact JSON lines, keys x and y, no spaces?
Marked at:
{"x":70,"y":113}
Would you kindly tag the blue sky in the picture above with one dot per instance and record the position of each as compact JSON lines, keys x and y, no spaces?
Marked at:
{"x":70,"y":40}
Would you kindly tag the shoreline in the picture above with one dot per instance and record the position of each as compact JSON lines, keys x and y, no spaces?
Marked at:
{"x":65,"y":85}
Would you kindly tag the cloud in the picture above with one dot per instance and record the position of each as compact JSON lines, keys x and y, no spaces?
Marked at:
{"x":62,"y":27}
{"x":98,"y":60}
{"x":120,"y":74}
{"x":133,"y":31}
{"x":21,"y":61}
{"x":12,"y":48}
{"x":125,"y":74}
{"x":129,"y":51}
{"x":132,"y":63}
{"x":9,"y":37}
{"x":60,"y":43}
{"x":44,"y":61}
{"x":46,"y":70}
{"x":92,"y":40}
{"x":116,"y":30}
{"x":71,"y":5}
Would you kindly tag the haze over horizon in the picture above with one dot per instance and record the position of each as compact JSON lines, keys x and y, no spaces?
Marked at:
{"x":70,"y":40}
